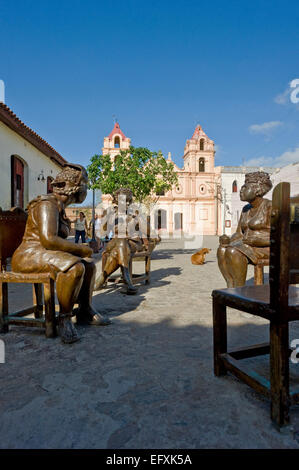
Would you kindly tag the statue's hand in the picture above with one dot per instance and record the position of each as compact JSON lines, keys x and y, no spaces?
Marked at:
{"x":86,"y":252}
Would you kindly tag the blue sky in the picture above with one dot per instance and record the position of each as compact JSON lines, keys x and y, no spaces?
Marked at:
{"x":159,"y":67}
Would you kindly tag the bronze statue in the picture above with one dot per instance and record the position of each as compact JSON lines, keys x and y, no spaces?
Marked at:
{"x":44,"y":248}
{"x":118,"y":251}
{"x":251,"y":241}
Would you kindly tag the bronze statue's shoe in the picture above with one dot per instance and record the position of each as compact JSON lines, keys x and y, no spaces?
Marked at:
{"x":131,"y":290}
{"x":67,"y":330}
{"x":88,"y":318}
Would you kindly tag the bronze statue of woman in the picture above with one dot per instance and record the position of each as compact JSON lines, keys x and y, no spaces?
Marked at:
{"x":45,"y":248}
{"x":251,"y":241}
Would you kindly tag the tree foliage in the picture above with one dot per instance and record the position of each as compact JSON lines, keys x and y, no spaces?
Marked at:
{"x":146,"y":173}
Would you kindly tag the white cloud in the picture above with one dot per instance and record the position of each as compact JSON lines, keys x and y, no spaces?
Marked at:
{"x":285,"y":98}
{"x":290,"y":156}
{"x":266,"y":128}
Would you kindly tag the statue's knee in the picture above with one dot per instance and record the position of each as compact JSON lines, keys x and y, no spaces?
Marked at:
{"x":230,"y":253}
{"x":78,"y":270}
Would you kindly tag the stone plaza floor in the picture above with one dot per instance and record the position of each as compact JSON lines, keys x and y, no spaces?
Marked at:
{"x":146,"y":381}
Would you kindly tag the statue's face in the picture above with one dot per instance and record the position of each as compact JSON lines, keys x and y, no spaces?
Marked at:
{"x":247,"y":192}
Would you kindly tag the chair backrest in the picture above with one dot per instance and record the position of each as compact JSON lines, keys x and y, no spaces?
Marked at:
{"x":284,"y":244}
{"x":12,"y":227}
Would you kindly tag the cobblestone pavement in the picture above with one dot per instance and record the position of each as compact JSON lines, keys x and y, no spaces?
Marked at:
{"x":146,"y":381}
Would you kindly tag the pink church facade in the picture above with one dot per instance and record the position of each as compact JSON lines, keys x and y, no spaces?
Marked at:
{"x":193,"y":206}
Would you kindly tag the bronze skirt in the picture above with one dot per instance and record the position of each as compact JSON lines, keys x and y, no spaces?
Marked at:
{"x":31,"y":257}
{"x":253,"y":253}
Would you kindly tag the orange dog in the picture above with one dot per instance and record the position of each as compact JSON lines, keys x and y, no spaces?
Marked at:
{"x":199,"y":257}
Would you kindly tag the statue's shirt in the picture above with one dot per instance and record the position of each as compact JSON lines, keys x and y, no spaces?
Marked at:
{"x":31,"y":255}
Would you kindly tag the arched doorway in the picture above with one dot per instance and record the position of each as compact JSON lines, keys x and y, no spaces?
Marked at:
{"x":17,"y":182}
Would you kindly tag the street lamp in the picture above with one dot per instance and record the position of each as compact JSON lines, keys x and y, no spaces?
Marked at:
{"x":93,"y":242}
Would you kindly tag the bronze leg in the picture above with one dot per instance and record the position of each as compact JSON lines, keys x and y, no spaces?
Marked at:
{"x":258,"y":275}
{"x":68,"y":286}
{"x":85,"y":294}
{"x":223,"y":266}
{"x":236,"y":264}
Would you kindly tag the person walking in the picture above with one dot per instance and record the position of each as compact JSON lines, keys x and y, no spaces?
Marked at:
{"x":81,"y":228}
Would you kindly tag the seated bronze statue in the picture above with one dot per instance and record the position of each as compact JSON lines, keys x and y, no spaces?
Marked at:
{"x":119,"y":250}
{"x":251,"y":242}
{"x":45,"y":248}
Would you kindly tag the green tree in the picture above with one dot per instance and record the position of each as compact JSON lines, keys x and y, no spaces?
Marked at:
{"x":146,"y":173}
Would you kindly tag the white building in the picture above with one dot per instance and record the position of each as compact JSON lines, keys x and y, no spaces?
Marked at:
{"x":289,"y":173}
{"x":28,"y":163}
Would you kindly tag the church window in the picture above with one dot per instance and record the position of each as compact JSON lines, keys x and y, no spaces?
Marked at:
{"x":235,"y":187}
{"x":201,"y":165}
{"x":202,"y":144}
{"x":117,"y":142}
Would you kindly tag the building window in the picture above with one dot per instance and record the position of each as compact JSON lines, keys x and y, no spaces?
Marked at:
{"x":202,"y":144}
{"x":117,"y":142}
{"x":235,"y":187}
{"x":201,"y":165}
{"x":17,"y":182}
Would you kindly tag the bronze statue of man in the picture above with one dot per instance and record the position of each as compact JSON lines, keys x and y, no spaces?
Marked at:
{"x":45,"y":248}
{"x":118,"y":251}
{"x":251,"y":241}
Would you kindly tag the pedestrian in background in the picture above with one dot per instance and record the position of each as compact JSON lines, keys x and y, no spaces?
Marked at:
{"x":81,"y":228}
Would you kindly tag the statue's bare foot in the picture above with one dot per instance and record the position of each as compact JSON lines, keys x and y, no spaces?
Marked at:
{"x":67,"y":330}
{"x":89,"y":316}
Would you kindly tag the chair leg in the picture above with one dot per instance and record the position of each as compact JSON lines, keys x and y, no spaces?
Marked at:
{"x":49,"y":295}
{"x":131,"y":268}
{"x":147,"y":269}
{"x":3,"y":307}
{"x":220,"y":336}
{"x":279,"y":367}
{"x":258,"y":275}
{"x":38,"y":300}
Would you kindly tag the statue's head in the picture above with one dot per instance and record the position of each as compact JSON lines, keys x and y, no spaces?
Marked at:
{"x":72,"y":181}
{"x":123,"y":192}
{"x":257,"y":184}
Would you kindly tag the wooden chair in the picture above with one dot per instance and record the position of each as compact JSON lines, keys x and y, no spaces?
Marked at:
{"x":277,"y":301}
{"x":12,"y":226}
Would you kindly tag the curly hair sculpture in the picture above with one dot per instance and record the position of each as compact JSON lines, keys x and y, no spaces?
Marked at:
{"x":260,"y":180}
{"x":71,"y":173}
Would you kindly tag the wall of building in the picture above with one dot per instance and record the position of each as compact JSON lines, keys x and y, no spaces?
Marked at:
{"x":34,"y":161}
